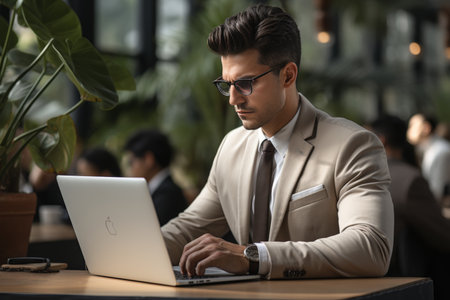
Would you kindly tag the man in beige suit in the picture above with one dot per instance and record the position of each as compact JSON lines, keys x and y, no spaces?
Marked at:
{"x":331,"y":214}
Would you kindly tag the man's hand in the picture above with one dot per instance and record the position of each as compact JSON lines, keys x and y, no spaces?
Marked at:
{"x":209,"y":251}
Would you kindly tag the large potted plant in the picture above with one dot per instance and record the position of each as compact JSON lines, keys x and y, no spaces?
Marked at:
{"x":23,"y":79}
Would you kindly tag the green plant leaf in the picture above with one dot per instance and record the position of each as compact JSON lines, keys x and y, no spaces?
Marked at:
{"x":53,"y":149}
{"x":19,"y":91}
{"x":83,"y":64}
{"x":51,"y":19}
{"x":87,"y":70}
{"x":3,"y":31}
{"x":121,"y":76}
{"x":11,"y":4}
{"x":23,"y":59}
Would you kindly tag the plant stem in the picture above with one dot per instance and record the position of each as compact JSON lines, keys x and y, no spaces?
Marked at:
{"x":33,"y":100}
{"x":16,"y":155}
{"x":12,"y":129}
{"x":73,"y":108}
{"x":29,"y":132}
{"x":5,"y":45}
{"x":21,"y":111}
{"x":31,"y":103}
{"x":24,"y":72}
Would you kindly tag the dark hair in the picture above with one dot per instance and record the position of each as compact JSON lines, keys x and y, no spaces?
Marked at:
{"x":102,"y":160}
{"x":267,"y":29}
{"x":150,"y":140}
{"x":430,"y":119}
{"x":394,"y":131}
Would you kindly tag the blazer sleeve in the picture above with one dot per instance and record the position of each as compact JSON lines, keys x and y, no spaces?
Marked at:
{"x":363,"y":245}
{"x":204,"y":215}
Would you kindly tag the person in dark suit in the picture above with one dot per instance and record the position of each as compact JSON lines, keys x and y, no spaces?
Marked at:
{"x":148,"y":155}
{"x":422,"y":234}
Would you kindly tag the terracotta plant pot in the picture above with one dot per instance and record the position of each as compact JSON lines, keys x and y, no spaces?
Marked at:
{"x":16,"y":217}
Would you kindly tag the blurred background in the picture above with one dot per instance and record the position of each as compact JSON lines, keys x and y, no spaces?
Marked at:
{"x":361,"y":59}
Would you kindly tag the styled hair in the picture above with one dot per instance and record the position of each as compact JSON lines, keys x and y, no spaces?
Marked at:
{"x":102,"y":160}
{"x":150,"y":140}
{"x":269,"y":30}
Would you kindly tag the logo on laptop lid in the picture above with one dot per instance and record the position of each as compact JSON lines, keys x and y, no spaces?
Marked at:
{"x":110,"y":226}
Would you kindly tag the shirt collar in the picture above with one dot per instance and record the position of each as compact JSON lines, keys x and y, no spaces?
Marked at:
{"x":281,"y":139}
{"x":156,"y":181}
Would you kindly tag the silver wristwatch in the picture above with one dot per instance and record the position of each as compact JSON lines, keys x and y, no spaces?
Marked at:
{"x":252,"y":254}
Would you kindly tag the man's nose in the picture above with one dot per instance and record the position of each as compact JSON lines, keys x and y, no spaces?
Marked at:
{"x":236,"y":98}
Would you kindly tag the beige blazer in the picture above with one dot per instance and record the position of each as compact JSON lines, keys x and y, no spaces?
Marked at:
{"x":332,"y":213}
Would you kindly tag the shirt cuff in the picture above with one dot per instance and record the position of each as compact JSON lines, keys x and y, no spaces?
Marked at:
{"x":264,"y":259}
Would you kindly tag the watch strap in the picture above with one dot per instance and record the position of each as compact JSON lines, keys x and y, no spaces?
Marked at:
{"x":253,"y":258}
{"x":253,"y":267}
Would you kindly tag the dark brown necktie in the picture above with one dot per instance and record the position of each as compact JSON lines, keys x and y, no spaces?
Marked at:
{"x":263,"y":190}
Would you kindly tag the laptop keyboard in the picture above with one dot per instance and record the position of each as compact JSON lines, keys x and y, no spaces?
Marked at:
{"x":180,"y":276}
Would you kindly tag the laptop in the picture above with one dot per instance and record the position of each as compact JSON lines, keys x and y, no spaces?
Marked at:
{"x":119,"y":234}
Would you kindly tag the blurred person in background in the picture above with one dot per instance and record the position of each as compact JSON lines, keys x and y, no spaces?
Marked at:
{"x":422,"y":234}
{"x":433,"y":152}
{"x":443,"y":130}
{"x":148,"y":154}
{"x":98,"y":161}
{"x":47,"y":191}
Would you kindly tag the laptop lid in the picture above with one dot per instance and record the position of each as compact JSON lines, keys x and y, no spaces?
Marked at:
{"x":118,"y":230}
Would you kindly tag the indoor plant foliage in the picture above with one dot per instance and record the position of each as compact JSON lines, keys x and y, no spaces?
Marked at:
{"x":62,"y":48}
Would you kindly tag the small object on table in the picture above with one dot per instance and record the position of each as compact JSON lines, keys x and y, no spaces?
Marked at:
{"x":32,"y":264}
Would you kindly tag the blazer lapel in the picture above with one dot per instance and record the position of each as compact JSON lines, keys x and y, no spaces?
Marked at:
{"x":296,"y":158}
{"x":245,"y":188}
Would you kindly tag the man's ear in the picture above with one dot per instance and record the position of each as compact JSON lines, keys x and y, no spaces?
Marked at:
{"x":149,"y":159}
{"x":289,"y":72}
{"x":426,"y":128}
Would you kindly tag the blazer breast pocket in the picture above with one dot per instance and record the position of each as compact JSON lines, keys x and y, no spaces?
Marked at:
{"x":311,"y":215}
{"x":307,"y":196}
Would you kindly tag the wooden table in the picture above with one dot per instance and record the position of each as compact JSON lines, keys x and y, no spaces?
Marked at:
{"x":69,"y":284}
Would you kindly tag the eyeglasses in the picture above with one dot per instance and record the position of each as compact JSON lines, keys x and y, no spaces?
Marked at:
{"x":243,"y":86}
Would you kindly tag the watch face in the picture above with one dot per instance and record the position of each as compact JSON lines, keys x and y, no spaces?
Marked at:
{"x":251,"y":252}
